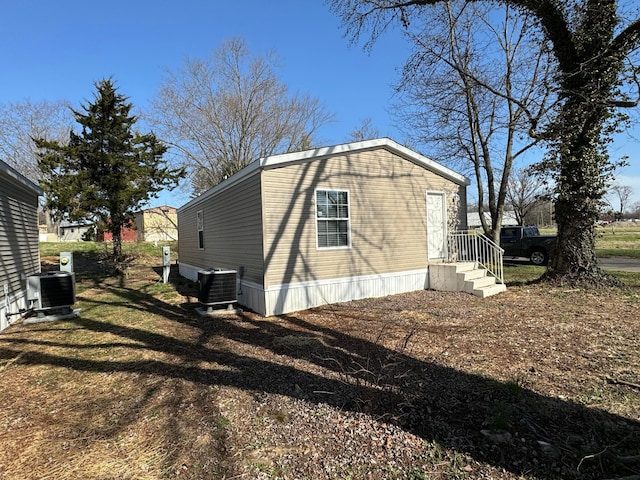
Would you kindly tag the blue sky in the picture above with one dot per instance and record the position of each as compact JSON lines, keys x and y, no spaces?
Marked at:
{"x":58,"y":50}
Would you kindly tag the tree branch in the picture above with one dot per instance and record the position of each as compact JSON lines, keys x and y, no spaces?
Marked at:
{"x":627,"y":40}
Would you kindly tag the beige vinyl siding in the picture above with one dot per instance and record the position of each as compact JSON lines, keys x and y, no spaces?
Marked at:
{"x":157,"y":225}
{"x":387,"y":196}
{"x":232,"y":230}
{"x":19,"y":249}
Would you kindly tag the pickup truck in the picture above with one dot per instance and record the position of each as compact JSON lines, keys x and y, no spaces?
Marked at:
{"x":526,"y":241}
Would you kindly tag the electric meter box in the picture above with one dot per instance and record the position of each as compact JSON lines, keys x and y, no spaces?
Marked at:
{"x":66,"y":261}
{"x":166,"y":256}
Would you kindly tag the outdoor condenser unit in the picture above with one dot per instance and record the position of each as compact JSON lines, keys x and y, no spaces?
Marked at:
{"x":51,"y":290}
{"x":217,"y":286}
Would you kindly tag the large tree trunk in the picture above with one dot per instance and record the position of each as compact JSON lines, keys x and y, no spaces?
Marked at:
{"x":584,"y":127}
{"x":574,"y":258}
{"x":582,"y":179}
{"x":117,"y":248}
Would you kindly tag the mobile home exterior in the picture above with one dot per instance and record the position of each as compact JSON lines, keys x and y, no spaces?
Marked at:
{"x":333,"y":224}
{"x":19,"y":248}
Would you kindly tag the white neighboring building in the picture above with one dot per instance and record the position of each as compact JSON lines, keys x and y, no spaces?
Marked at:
{"x":473,"y":219}
{"x":73,"y":231}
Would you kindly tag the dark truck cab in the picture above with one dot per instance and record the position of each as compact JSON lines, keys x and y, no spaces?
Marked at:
{"x":526,"y":241}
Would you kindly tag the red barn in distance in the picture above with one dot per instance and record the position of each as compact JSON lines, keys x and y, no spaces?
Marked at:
{"x":127,"y":234}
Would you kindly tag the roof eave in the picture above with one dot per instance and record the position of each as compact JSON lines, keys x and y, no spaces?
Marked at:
{"x":275,"y":161}
{"x":24,"y":181}
{"x":417,"y":158}
{"x":224,"y":185}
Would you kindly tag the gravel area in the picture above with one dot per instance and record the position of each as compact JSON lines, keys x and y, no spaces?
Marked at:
{"x":537,"y":383}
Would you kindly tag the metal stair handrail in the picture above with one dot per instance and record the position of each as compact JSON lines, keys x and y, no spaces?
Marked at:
{"x":473,"y":246}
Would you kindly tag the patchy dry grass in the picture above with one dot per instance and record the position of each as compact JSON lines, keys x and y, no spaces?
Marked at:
{"x":537,"y":383}
{"x":618,"y":239}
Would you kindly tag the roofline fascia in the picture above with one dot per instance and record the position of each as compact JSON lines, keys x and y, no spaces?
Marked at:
{"x":415,"y":157}
{"x":224,"y":185}
{"x":12,"y":172}
{"x":275,"y":161}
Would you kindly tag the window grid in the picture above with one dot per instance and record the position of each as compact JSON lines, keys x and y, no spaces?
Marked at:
{"x":332,"y":218}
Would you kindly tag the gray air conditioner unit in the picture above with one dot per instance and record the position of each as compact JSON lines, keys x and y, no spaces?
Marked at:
{"x":51,"y":290}
{"x":217,"y":286}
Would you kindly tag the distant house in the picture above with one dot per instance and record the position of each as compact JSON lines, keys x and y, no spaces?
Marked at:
{"x":159,"y":224}
{"x":73,"y":231}
{"x":508,"y":219}
{"x":333,"y":224}
{"x":19,"y":249}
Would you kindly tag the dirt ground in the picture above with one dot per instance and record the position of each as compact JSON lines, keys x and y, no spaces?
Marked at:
{"x":537,"y":382}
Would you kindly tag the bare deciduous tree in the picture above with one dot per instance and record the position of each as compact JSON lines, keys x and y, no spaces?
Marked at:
{"x":596,"y":48}
{"x":365,"y":131}
{"x":21,"y":122}
{"x":224,"y":111}
{"x":472,"y":88}
{"x":619,"y":197}
{"x":525,"y":193}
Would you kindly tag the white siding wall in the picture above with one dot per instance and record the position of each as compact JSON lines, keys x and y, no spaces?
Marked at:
{"x":281,"y":299}
{"x":19,"y":249}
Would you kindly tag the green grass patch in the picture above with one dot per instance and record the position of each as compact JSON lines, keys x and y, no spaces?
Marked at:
{"x":630,"y":279}
{"x":48,"y":249}
{"x":618,"y":240}
{"x":521,"y":274}
{"x":618,"y":252}
{"x":614,"y":240}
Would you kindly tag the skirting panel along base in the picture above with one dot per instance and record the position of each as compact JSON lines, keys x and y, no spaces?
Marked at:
{"x":285,"y":298}
{"x":10,"y":307}
{"x":280,"y":299}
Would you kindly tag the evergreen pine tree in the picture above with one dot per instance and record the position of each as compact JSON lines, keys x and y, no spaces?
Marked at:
{"x":107,"y":171}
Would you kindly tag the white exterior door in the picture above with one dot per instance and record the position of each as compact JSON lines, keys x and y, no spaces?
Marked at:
{"x":436,"y":226}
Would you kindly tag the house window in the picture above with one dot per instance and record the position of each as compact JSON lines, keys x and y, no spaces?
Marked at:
{"x":200,"y":226}
{"x":332,"y":218}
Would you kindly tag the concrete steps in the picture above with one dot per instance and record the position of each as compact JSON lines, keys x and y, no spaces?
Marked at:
{"x":463,"y":277}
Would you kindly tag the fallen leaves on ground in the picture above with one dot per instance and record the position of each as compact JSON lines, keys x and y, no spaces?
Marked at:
{"x":538,"y":382}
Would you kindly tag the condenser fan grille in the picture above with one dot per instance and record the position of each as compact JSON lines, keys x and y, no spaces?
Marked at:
{"x":216,"y":286}
{"x":51,"y":289}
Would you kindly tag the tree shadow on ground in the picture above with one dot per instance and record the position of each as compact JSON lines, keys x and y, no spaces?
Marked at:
{"x":92,"y":266}
{"x":502,"y":424}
